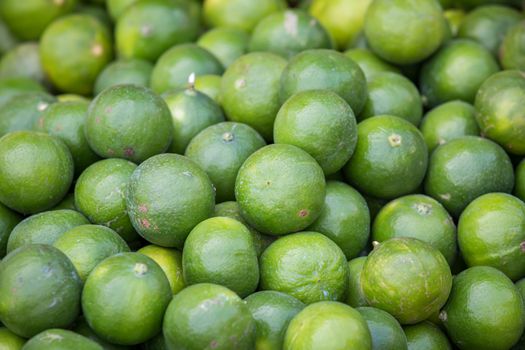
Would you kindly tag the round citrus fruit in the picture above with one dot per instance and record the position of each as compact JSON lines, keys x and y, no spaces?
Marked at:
{"x":425,"y":335}
{"x":512,"y":49}
{"x":417,"y":216}
{"x":175,"y":66}
{"x":392,"y":94}
{"x":369,"y":63}
{"x":321,"y":123}
{"x":306,"y":265}
{"x":404,"y":31}
{"x":125,"y":297}
{"x":220,"y":150}
{"x":406,"y":277}
{"x":491,"y":232}
{"x":131,"y":71}
{"x":456,"y":72}
{"x":66,"y":121}
{"x":500,"y":110}
{"x":60,"y":339}
{"x":10,"y":87}
{"x":39,"y":289}
{"x":209,"y":316}
{"x":277,"y":204}
{"x":250,"y":91}
{"x":92,"y":50}
{"x":128,"y":121}
{"x":448,"y":121}
{"x":167,"y":196}
{"x":464,"y":169}
{"x":191,"y":112}
{"x":23,"y":61}
{"x":8,"y":220}
{"x":100,"y":195}
{"x":36,"y":171}
{"x":390,"y":159}
{"x":147,"y":28}
{"x":88,"y":245}
{"x":323,"y":69}
{"x":170,"y":260}
{"x":484,"y":311}
{"x":227,"y":44}
{"x":10,"y":341}
{"x":355,"y":296}
{"x":385,"y":330}
{"x":345,"y":218}
{"x":328,"y":325}
{"x":272,"y":312}
{"x":288,"y":33}
{"x":220,"y":250}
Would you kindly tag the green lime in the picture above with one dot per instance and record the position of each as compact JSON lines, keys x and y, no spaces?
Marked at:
{"x":21,"y":112}
{"x":519,"y":189}
{"x":288,"y":33}
{"x":72,"y":98}
{"x":421,"y":217}
{"x":147,"y":28}
{"x":392,"y":94}
{"x":355,"y":296}
{"x":272,"y":312}
{"x":117,"y":7}
{"x":96,"y":11}
{"x":406,"y":277}
{"x":166,"y":197}
{"x":454,"y":19}
{"x":345,"y":218}
{"x":130,"y":122}
{"x":277,"y":204}
{"x":448,"y":121}
{"x":322,"y":124}
{"x":227,"y":44}
{"x":10,"y":87}
{"x":484,"y":311}
{"x":512,"y":50}
{"x":209,"y":84}
{"x":66,"y":121}
{"x":220,"y":150}
{"x":82,"y":328}
{"x":28,"y":19}
{"x":36,"y":171}
{"x":328,"y":325}
{"x":491,"y":232}
{"x":370,"y":63}
{"x":175,"y":66}
{"x":403,"y":31}
{"x":500,"y":110}
{"x":8,"y":220}
{"x":132,"y":71}
{"x":242,"y":14}
{"x":250,"y":91}
{"x":208,"y":316}
{"x":220,"y":250}
{"x":124,"y":298}
{"x":386,"y":332}
{"x":231,"y":210}
{"x":521,"y":287}
{"x":306,"y":265}
{"x":99,"y":194}
{"x":10,"y":341}
{"x":88,"y":245}
{"x":323,"y":69}
{"x":170,"y":260}
{"x":425,"y":335}
{"x":44,"y":228}
{"x":466,"y":168}
{"x":191,"y":111}
{"x":488,"y":25}
{"x":23,"y":61}
{"x":456,"y":72}
{"x":60,"y":339}
{"x":71,"y":42}
{"x":390,"y":159}
{"x":343,"y":19}
{"x":39,"y":289}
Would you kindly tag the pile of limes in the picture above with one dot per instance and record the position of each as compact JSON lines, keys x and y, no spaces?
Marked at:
{"x":262,"y":174}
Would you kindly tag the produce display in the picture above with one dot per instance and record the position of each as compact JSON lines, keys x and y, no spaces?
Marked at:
{"x":262,"y":174}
